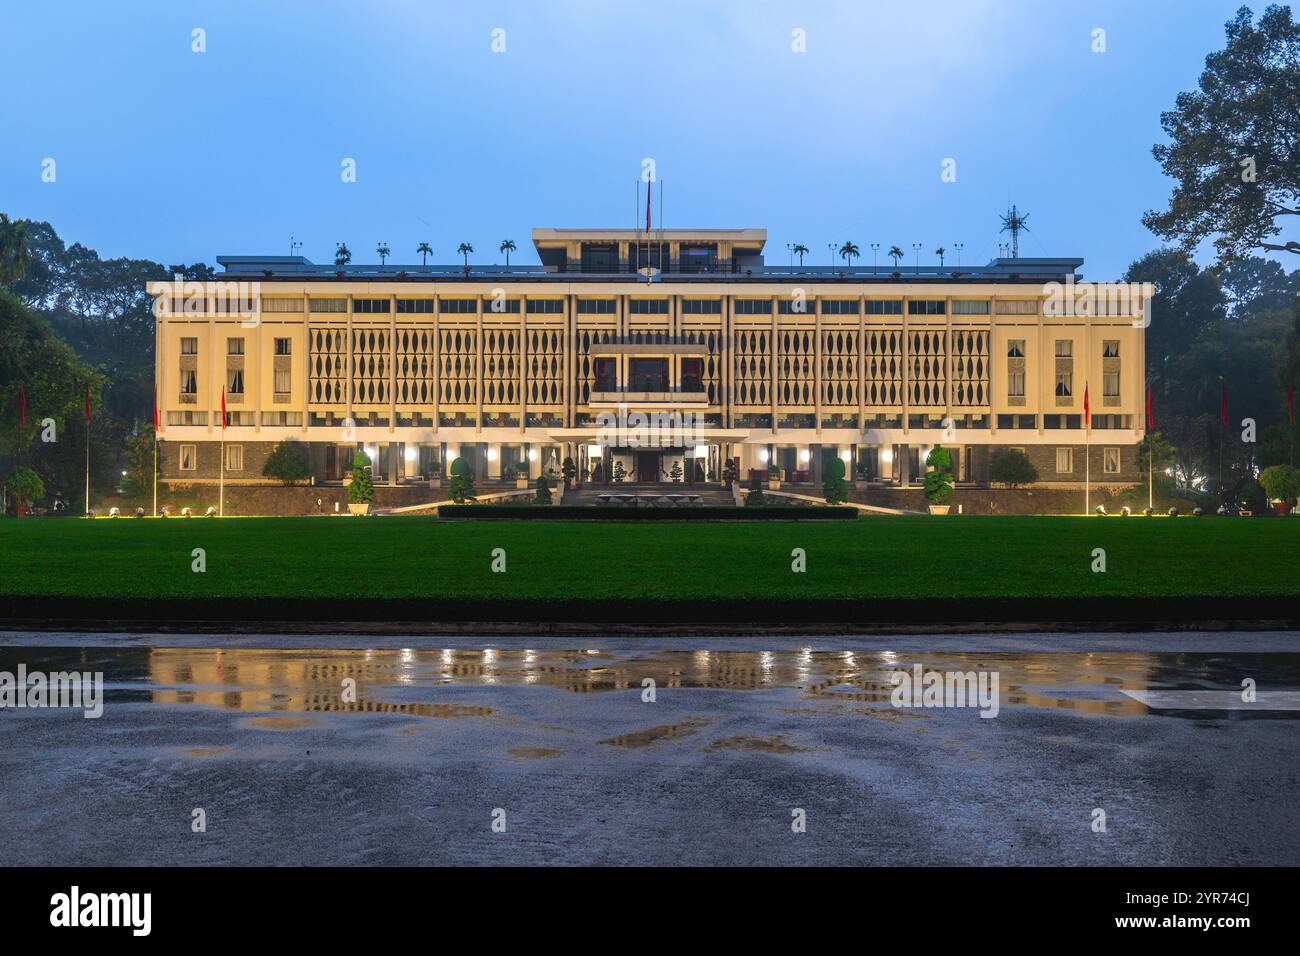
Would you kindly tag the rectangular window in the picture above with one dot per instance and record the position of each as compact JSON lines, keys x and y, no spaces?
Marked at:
{"x":1016,"y":348}
{"x":283,"y":346}
{"x":189,"y":346}
{"x":648,"y":307}
{"x":1064,"y":384}
{"x":188,"y":457}
{"x":329,"y":305}
{"x":884,"y":307}
{"x":283,"y":379}
{"x":926,"y":307}
{"x":369,"y":306}
{"x":1016,"y":384}
{"x":1110,"y":461}
{"x":281,"y":305}
{"x":839,"y":306}
{"x":597,"y":306}
{"x":751,"y":306}
{"x":187,"y":418}
{"x":701,"y":306}
{"x":1110,"y":384}
{"x":692,"y":375}
{"x":414,"y":306}
{"x":234,"y":458}
{"x":970,"y":307}
{"x":606,"y":374}
{"x":1110,"y":348}
{"x":457,"y":306}
{"x":234,"y":346}
{"x":1017,"y":307}
{"x":235,"y":381}
{"x":189,"y":382}
{"x":794,"y":307}
{"x":546,"y":306}
{"x":503,"y":305}
{"x":282,"y":418}
{"x":1064,"y":461}
{"x":1065,"y":348}
{"x":647,"y":374}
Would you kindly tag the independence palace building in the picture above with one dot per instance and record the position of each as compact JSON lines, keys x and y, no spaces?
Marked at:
{"x":522,"y":367}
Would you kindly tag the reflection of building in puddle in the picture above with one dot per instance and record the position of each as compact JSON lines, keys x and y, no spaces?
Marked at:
{"x":313,"y":679}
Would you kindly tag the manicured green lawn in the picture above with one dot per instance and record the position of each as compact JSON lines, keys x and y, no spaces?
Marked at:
{"x":398,"y":557}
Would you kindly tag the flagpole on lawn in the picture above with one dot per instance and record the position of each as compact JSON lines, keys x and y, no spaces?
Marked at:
{"x":221,"y":494}
{"x":87,"y":451}
{"x":155,"y":471}
{"x":1087,"y":456}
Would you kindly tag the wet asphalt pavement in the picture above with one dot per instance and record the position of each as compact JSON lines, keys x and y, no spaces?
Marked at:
{"x":552,"y":737}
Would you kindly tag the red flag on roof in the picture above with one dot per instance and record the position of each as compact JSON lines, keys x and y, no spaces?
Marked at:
{"x":22,"y":407}
{"x":155,"y":412}
{"x":223,"y":408}
{"x":1151,"y":418}
{"x":1087,"y":408}
{"x":1223,"y":403}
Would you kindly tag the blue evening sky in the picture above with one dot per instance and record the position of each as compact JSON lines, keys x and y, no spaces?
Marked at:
{"x":176,"y":156}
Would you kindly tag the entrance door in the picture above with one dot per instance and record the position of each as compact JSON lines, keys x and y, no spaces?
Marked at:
{"x":647,"y":466}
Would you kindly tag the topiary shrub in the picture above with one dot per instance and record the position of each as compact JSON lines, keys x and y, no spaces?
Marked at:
{"x":1012,"y":468}
{"x":543,"y":496}
{"x":461,"y":487}
{"x":1253,"y":498}
{"x":1282,"y":482}
{"x":755,"y":497}
{"x":833,"y":487}
{"x":938,"y":483}
{"x":362,"y":489}
{"x":26,"y":487}
{"x":287,"y":463}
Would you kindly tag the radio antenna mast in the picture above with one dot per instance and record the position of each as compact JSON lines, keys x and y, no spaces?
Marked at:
{"x":1014,"y":223}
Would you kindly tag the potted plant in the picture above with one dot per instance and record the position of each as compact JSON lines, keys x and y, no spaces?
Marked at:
{"x":773,"y":477}
{"x":521,"y":474}
{"x":570,"y":471}
{"x":676,"y":473}
{"x":938,"y":481}
{"x":861,"y":473}
{"x":361,"y":490}
{"x":755,"y":497}
{"x":1251,"y":500}
{"x":27,"y":488}
{"x":619,"y":474}
{"x":1282,"y":483}
{"x":833,"y":488}
{"x":728,"y":474}
{"x":543,"y":496}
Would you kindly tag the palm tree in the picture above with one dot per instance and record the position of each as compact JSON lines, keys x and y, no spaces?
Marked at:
{"x":383,"y":252}
{"x":939,"y":252}
{"x":895,"y":253}
{"x":465,"y":249}
{"x":507,"y":246}
{"x":800,"y":250}
{"x":424,"y":251}
{"x":849,"y":252}
{"x":342,"y":255}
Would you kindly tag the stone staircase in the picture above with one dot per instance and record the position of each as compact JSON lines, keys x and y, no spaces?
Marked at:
{"x":588,"y":494}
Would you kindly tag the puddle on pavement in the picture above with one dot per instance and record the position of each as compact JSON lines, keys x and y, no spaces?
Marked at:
{"x":775,"y":744}
{"x":652,"y":735}
{"x":282,"y":723}
{"x":533,"y":753}
{"x":409,"y":682}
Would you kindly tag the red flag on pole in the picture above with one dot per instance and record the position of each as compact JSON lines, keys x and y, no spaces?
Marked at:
{"x":87,"y":404}
{"x":155,"y":412}
{"x":22,"y":407}
{"x":648,"y":186}
{"x":1223,"y":403}
{"x":1290,"y":404}
{"x":1151,"y":418}
{"x":223,"y":408}
{"x":1087,"y":408}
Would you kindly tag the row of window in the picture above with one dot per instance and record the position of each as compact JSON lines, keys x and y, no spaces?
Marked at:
{"x":235,"y":346}
{"x":269,"y":419}
{"x":1064,"y":348}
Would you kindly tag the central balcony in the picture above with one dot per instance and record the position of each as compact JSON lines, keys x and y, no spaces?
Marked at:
{"x":691,"y":396}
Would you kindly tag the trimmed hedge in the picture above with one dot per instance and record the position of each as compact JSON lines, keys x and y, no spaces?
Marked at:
{"x":620,"y":513}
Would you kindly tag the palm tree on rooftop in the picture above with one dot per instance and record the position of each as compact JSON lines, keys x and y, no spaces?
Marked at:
{"x":383,"y":252}
{"x":800,"y":250}
{"x":849,"y":252}
{"x":940,"y":253}
{"x":507,"y":246}
{"x":424,"y":252}
{"x":895,"y":253}
{"x":465,"y":249}
{"x":342,"y":255}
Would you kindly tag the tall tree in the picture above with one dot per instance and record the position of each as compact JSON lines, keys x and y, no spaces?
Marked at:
{"x":507,"y":246}
{"x":1233,"y":142}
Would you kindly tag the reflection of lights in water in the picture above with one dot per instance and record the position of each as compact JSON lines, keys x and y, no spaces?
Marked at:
{"x":490,"y":675}
{"x":530,"y":663}
{"x":766,"y":659}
